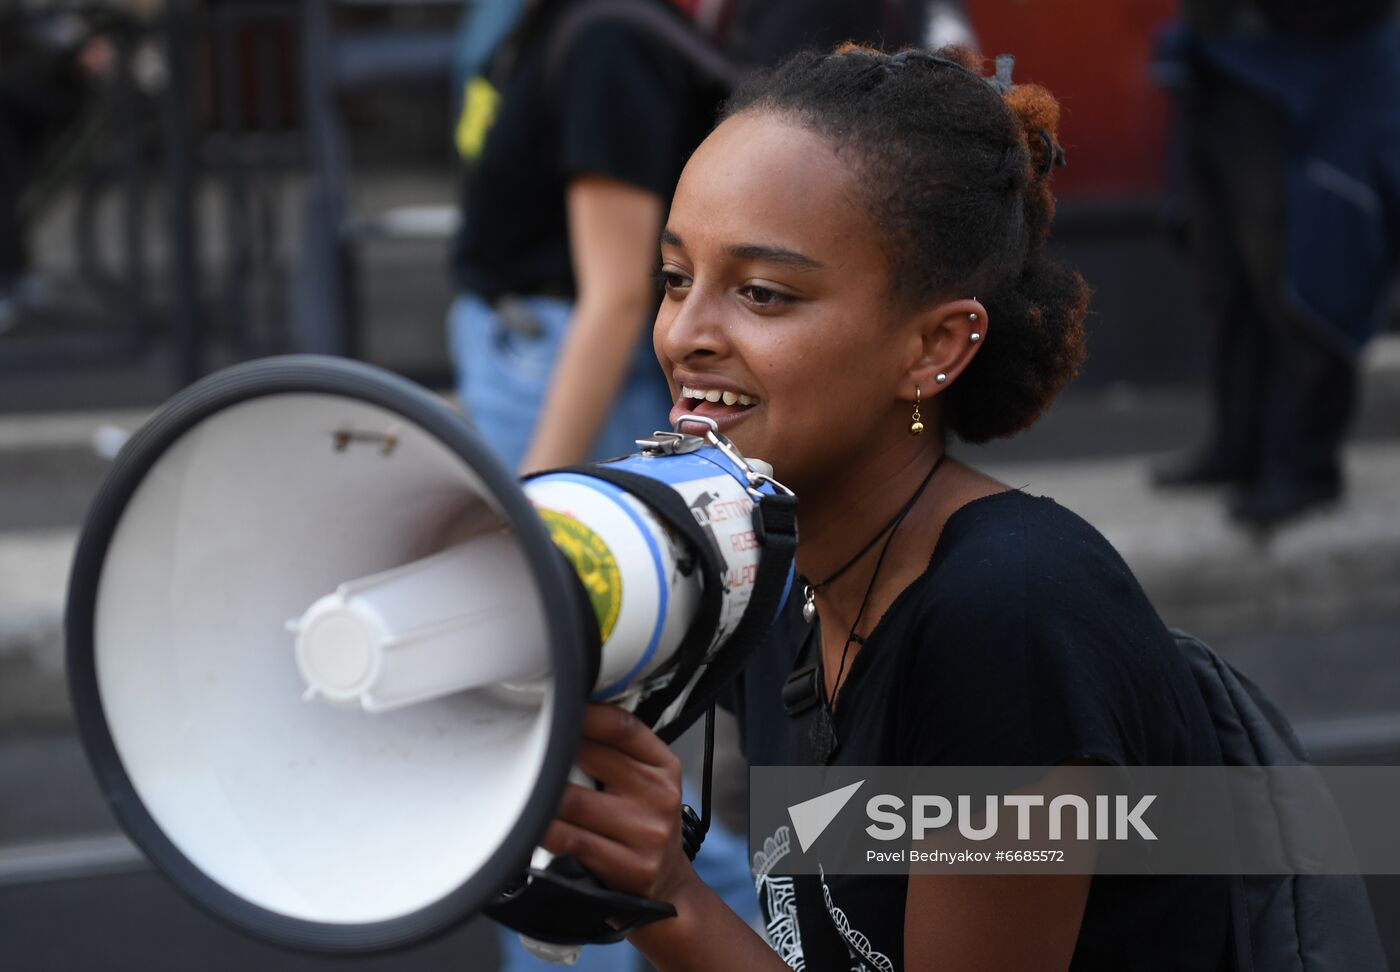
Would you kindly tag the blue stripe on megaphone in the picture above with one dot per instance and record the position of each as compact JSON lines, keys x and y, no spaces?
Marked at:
{"x":616,"y":495}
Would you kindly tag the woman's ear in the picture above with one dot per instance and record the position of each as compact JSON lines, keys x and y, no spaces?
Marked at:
{"x":946,"y":338}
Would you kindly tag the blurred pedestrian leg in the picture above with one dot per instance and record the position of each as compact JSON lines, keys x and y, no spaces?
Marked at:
{"x":1292,"y":174}
{"x":1282,"y":393}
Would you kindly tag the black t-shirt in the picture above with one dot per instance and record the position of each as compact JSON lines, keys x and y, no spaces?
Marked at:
{"x":1026,"y":642}
{"x":620,"y":103}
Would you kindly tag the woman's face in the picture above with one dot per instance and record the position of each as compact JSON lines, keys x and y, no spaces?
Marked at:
{"x":777,"y":290}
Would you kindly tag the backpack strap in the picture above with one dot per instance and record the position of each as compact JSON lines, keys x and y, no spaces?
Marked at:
{"x":659,"y":22}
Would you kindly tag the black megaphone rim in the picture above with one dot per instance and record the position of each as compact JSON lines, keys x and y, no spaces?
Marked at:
{"x":293,"y":374}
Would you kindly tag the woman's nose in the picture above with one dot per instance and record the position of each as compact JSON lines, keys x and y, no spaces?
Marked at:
{"x":689,"y":329}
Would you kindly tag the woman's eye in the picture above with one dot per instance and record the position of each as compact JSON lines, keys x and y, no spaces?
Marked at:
{"x":669,"y":280}
{"x":763,"y":297}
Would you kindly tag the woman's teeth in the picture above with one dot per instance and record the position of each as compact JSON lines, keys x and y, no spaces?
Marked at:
{"x":715,"y":395}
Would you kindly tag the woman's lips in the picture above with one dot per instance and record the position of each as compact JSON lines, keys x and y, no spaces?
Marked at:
{"x":723,"y":415}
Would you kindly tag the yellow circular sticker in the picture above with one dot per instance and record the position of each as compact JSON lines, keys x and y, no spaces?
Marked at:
{"x":594,"y":562}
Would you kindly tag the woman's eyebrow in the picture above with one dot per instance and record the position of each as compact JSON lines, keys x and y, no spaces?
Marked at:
{"x":757,"y":251}
{"x":774,"y":254}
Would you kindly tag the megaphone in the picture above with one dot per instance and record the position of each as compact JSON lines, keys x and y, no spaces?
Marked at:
{"x":328,"y":658}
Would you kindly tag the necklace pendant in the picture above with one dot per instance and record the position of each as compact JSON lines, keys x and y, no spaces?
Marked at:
{"x":809,"y":603}
{"x":822,"y":736}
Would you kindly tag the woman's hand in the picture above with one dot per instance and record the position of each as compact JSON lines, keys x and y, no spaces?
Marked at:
{"x":628,"y":834}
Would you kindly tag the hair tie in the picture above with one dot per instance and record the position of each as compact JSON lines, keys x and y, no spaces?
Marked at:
{"x":1054,"y":153}
{"x":1001,"y":81}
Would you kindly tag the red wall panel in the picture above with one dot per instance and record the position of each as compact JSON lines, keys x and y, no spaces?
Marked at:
{"x":1093,"y":54}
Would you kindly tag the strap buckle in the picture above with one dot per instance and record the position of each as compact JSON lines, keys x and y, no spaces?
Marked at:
{"x":800,"y":691}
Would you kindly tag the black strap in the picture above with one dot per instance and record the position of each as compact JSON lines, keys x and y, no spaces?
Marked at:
{"x":672,"y":509}
{"x":775,"y":527}
{"x":661,"y":22}
{"x":801,"y":690}
{"x":802,"y":700}
{"x":565,"y":905}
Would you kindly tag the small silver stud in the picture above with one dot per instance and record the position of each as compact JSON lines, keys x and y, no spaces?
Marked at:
{"x":972,"y":316}
{"x":940,"y":378}
{"x":974,"y":337}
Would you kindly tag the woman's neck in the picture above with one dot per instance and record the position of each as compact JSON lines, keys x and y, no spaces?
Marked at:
{"x":841,"y":515}
{"x":838,"y":520}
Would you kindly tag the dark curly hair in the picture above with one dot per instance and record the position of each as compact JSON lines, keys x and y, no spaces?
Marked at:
{"x":957,"y":169}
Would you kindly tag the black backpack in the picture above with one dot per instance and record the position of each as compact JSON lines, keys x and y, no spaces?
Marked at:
{"x":1281,"y":922}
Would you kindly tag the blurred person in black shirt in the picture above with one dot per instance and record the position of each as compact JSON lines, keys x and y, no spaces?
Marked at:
{"x":572,"y":162}
{"x":573,"y":153}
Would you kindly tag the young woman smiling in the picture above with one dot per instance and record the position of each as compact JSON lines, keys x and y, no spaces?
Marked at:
{"x":853,"y":267}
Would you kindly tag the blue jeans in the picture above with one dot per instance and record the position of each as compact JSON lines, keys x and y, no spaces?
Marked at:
{"x":504,"y":371}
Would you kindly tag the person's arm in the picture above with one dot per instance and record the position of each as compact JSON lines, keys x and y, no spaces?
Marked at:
{"x":628,"y":835}
{"x":613,"y":228}
{"x":969,"y":922}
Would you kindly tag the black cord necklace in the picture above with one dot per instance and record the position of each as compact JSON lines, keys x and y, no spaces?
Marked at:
{"x":823,"y":732}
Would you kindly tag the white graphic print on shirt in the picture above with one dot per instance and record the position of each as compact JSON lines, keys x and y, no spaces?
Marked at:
{"x":778,"y":901}
{"x":864,"y":958}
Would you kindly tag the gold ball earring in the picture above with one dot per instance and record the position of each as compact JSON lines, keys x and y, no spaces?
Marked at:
{"x":916,"y":424}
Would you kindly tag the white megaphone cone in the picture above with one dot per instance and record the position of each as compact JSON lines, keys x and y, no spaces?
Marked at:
{"x":386,"y":767}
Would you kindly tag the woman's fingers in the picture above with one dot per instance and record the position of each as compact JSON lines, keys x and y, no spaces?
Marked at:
{"x":616,"y":866}
{"x":627,"y":833}
{"x":621,"y":773}
{"x":621,"y":730}
{"x":618,"y":818}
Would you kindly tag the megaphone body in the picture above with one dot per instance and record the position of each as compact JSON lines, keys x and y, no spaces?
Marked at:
{"x":329,"y":659}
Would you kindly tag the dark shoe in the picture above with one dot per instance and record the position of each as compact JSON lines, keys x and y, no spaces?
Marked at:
{"x":1270,"y":503}
{"x":1198,"y":469}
